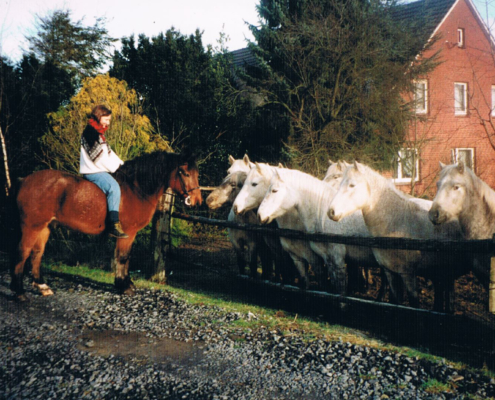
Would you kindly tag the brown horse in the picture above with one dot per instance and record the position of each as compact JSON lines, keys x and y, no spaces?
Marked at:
{"x":78,"y":204}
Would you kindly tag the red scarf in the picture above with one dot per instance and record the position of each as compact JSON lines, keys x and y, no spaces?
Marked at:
{"x":98,"y":127}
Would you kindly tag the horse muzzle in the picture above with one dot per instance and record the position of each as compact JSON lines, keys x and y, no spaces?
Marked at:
{"x":437,"y":216}
{"x":333,"y":216}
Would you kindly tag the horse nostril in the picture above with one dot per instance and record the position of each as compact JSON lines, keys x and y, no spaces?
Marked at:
{"x":331,"y":213}
{"x":235,"y":209}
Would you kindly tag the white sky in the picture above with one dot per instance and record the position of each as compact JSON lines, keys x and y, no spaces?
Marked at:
{"x":127,"y":17}
{"x":150,"y":17}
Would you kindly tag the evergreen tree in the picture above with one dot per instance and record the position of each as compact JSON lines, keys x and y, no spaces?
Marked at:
{"x":339,"y":69}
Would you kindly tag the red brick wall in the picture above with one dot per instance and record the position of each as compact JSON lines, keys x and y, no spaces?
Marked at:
{"x":475,"y":65}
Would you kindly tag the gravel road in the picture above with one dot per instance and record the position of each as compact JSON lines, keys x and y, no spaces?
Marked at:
{"x":88,"y":343}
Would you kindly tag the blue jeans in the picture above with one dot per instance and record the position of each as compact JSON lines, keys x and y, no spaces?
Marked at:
{"x":109,"y":186}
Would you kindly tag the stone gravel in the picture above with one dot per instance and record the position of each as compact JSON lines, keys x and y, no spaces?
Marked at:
{"x":45,"y":353}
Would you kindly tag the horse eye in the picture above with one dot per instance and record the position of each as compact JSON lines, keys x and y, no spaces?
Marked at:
{"x":352,"y":185}
{"x":254,"y":184}
{"x":274,"y":190}
{"x":456,"y":187}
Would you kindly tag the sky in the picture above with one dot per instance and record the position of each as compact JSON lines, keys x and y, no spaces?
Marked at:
{"x":127,"y":17}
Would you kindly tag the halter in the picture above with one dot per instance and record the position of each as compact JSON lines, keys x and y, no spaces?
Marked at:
{"x":185,"y":192}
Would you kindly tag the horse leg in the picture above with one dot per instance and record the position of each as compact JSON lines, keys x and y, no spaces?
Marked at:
{"x":337,"y":271}
{"x":36,"y":254}
{"x":253,"y":258}
{"x":266,"y":259}
{"x":395,"y":284}
{"x":411,"y":287}
{"x":120,"y":264}
{"x":26,"y":244}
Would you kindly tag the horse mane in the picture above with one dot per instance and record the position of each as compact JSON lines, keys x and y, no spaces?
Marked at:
{"x":385,"y":184}
{"x":147,"y":174}
{"x":485,"y":192}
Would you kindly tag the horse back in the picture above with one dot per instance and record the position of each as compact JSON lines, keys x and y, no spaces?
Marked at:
{"x":49,"y":195}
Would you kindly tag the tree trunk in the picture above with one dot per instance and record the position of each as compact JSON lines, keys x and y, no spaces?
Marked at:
{"x":8,"y":184}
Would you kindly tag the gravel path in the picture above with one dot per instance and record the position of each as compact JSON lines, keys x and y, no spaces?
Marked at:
{"x":89,"y":343}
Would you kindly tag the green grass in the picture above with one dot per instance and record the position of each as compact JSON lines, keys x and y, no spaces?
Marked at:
{"x":434,"y":386}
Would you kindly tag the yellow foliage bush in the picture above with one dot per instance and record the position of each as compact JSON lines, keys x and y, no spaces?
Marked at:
{"x":130,"y":134}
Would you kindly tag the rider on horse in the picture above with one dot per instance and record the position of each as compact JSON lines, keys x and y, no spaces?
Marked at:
{"x":98,"y":160}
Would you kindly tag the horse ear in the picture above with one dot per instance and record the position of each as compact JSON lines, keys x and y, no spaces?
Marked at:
{"x":460,"y":167}
{"x":277,"y":176}
{"x":246,"y":160}
{"x":358,"y":166}
{"x":330,"y":162}
{"x":341,"y":165}
{"x":442,"y":165}
{"x":280,"y":165}
{"x":231,"y":160}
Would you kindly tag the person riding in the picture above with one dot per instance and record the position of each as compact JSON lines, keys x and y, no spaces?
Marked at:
{"x":98,"y":161}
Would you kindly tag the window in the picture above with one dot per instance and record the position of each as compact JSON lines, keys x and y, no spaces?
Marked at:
{"x":421,"y":96}
{"x":466,"y":155}
{"x":460,"y":96}
{"x":460,"y":37}
{"x":407,"y":166}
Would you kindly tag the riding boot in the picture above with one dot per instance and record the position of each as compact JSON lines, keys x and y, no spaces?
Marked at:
{"x":116,"y":228}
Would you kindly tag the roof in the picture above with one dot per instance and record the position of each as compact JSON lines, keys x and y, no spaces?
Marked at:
{"x":243,"y":57}
{"x":434,"y":11}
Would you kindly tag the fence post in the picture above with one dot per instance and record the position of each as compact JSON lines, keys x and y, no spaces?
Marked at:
{"x":491,"y":287}
{"x":162,"y":237}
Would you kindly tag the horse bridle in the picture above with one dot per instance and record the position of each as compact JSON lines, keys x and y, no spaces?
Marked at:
{"x":185,"y":192}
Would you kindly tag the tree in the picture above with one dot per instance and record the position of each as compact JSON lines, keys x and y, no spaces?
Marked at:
{"x":69,"y":45}
{"x":186,"y":92}
{"x":130,"y":133}
{"x":339,"y":70}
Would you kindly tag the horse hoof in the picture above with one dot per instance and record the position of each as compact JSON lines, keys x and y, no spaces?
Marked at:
{"x":43,"y":288}
{"x":129,"y":292}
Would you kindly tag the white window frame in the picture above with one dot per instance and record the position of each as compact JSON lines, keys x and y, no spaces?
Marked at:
{"x":493,"y":101}
{"x":469,"y":150}
{"x":421,"y":107}
{"x":460,"y":37}
{"x":399,"y":178}
{"x":460,"y":107}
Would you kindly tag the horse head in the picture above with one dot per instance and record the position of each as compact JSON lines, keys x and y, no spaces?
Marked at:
{"x":254,"y":189}
{"x":227,"y":191}
{"x":335,"y":172}
{"x":277,"y":200}
{"x":453,"y":187}
{"x":353,"y":193}
{"x":184,"y":181}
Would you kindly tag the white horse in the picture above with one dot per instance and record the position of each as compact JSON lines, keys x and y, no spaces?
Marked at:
{"x":300,"y":201}
{"x":462,"y":196}
{"x":248,"y":246}
{"x":388,"y":212}
{"x":250,"y":198}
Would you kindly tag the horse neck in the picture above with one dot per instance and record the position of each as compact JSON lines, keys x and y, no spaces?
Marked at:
{"x":384,"y":204}
{"x":477,"y":218}
{"x":313,"y":199}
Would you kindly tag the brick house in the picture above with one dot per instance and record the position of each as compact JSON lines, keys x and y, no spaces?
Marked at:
{"x":455,"y":103}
